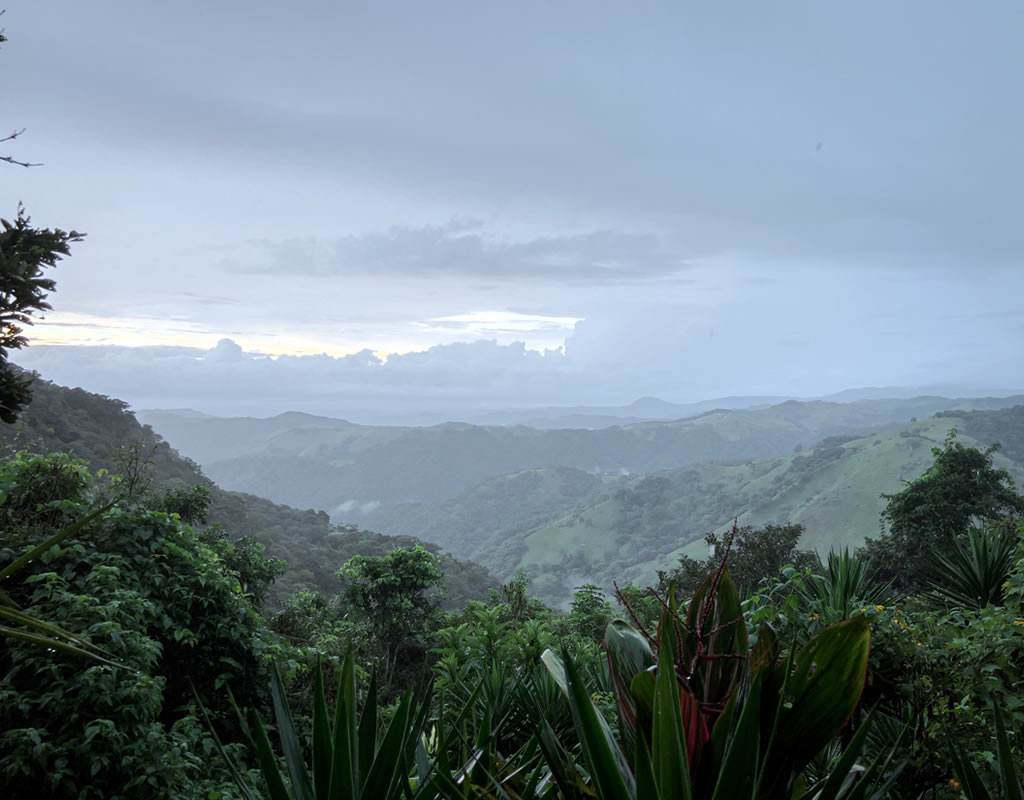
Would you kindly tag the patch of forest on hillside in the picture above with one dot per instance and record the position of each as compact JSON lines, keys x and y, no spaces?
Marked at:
{"x":104,"y":433}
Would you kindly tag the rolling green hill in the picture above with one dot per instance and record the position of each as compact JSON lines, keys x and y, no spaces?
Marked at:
{"x":347,"y":469}
{"x":96,"y":429}
{"x":625,"y":529}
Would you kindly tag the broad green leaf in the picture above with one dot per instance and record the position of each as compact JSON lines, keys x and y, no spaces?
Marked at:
{"x":669,"y":757}
{"x":629,"y":655}
{"x":646,"y":787}
{"x":824,"y":688}
{"x":642,"y":692}
{"x":741,"y":765}
{"x":556,"y":669}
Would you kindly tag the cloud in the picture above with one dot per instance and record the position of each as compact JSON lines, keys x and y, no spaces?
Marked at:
{"x":463,"y":248}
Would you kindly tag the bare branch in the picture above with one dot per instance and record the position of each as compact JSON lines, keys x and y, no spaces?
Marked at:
{"x":11,"y":159}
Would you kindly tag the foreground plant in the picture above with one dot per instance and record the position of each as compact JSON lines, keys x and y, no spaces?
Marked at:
{"x":348,"y":760}
{"x":705,"y":715}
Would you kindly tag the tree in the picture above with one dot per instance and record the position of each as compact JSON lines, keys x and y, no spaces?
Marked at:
{"x":590,"y":612}
{"x":398,"y":593}
{"x":24,"y":253}
{"x":961,"y":488}
{"x":756,"y":554}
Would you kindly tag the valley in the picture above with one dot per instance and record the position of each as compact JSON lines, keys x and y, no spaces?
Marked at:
{"x":575,"y":506}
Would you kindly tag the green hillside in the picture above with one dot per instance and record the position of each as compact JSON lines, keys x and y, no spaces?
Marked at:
{"x":625,"y":529}
{"x":97,"y":429}
{"x":338,"y":467}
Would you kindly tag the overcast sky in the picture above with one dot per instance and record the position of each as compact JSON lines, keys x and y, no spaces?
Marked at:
{"x":530,"y":202}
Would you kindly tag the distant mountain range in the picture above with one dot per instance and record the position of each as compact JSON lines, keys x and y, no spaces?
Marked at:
{"x":595,"y":505}
{"x":333,"y":465}
{"x":644,"y":409}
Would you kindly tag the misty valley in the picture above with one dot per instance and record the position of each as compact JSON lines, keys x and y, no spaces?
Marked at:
{"x":466,"y":400}
{"x":479,"y":606}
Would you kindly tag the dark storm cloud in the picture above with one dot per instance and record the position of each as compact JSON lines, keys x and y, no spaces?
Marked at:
{"x":463,"y":249}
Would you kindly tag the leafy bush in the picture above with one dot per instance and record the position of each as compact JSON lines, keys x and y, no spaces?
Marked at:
{"x":140,"y":585}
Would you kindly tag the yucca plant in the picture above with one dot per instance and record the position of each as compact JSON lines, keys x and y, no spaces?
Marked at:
{"x":704,"y":715}
{"x":845,"y":585}
{"x":349,"y":760}
{"x":353,"y":760}
{"x":973,"y":574}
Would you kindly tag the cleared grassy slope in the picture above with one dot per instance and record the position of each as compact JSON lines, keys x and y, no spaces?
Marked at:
{"x":644,"y":524}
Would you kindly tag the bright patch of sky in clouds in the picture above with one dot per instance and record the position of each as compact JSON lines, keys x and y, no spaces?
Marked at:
{"x":755,"y":198}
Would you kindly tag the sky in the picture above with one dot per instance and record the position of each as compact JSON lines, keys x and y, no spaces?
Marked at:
{"x":332,"y":205}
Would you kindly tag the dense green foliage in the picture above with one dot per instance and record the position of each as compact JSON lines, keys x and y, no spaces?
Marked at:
{"x":932,"y":513}
{"x":143,"y":587}
{"x":106,"y":435}
{"x":525,"y":701}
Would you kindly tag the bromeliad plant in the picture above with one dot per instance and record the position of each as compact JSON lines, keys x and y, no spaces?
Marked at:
{"x":705,"y":715}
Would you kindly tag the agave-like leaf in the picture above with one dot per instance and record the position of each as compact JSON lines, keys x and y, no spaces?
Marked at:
{"x":389,"y":759}
{"x":242,"y":783}
{"x":847,"y":584}
{"x":563,"y":773}
{"x":973,"y":574}
{"x":344,"y":748}
{"x":840,"y":771}
{"x":368,"y":730}
{"x":294,"y":758}
{"x":970,"y":780}
{"x":323,"y":747}
{"x":50,"y":641}
{"x":267,"y":760}
{"x":738,"y":775}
